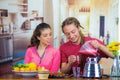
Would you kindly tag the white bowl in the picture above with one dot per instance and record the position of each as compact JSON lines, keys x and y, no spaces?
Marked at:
{"x":43,"y":75}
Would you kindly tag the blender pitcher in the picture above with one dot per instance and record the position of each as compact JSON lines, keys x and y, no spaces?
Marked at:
{"x":88,"y":49}
{"x":92,"y":69}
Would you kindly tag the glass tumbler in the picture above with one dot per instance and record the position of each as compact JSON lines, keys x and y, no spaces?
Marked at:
{"x":76,"y":68}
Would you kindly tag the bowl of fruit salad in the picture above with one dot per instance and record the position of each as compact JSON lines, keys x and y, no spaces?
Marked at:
{"x":27,"y":70}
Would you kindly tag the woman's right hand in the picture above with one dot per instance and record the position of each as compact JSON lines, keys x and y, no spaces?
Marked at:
{"x":71,"y":59}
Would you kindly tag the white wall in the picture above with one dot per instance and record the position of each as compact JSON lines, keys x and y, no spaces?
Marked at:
{"x":119,"y":23}
{"x":48,"y":12}
{"x":52,"y":17}
{"x":109,"y":9}
{"x":56,"y":22}
{"x":97,"y":10}
{"x":36,"y":5}
{"x":111,"y":25}
{"x":9,"y":5}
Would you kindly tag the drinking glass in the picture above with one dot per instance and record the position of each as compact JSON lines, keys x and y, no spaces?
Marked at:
{"x":76,"y":67}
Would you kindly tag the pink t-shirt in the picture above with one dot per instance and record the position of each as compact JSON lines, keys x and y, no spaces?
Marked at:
{"x":50,"y":60}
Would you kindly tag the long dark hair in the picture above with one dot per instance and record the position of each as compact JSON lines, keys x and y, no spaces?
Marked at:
{"x":37,"y":32}
{"x":72,"y":20}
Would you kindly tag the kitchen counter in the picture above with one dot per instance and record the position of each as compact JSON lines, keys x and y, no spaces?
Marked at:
{"x":18,"y":77}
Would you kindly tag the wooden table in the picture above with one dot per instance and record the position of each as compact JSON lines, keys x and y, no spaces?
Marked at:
{"x":12,"y":76}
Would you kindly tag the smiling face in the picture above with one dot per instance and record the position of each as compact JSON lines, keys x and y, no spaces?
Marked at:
{"x":72,"y":33}
{"x":45,"y":37}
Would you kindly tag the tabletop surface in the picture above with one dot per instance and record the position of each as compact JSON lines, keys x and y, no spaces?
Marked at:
{"x":18,"y":77}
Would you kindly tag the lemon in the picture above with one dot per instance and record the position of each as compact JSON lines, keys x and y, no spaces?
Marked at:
{"x":32,"y":68}
{"x":16,"y":68}
{"x":27,"y":69}
{"x":22,"y":69}
{"x":32,"y":64}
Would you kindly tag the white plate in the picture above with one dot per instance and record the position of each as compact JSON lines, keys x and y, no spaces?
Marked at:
{"x":26,"y":74}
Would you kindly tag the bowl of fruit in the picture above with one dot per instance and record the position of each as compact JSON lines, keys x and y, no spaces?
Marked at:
{"x":24,"y":69}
